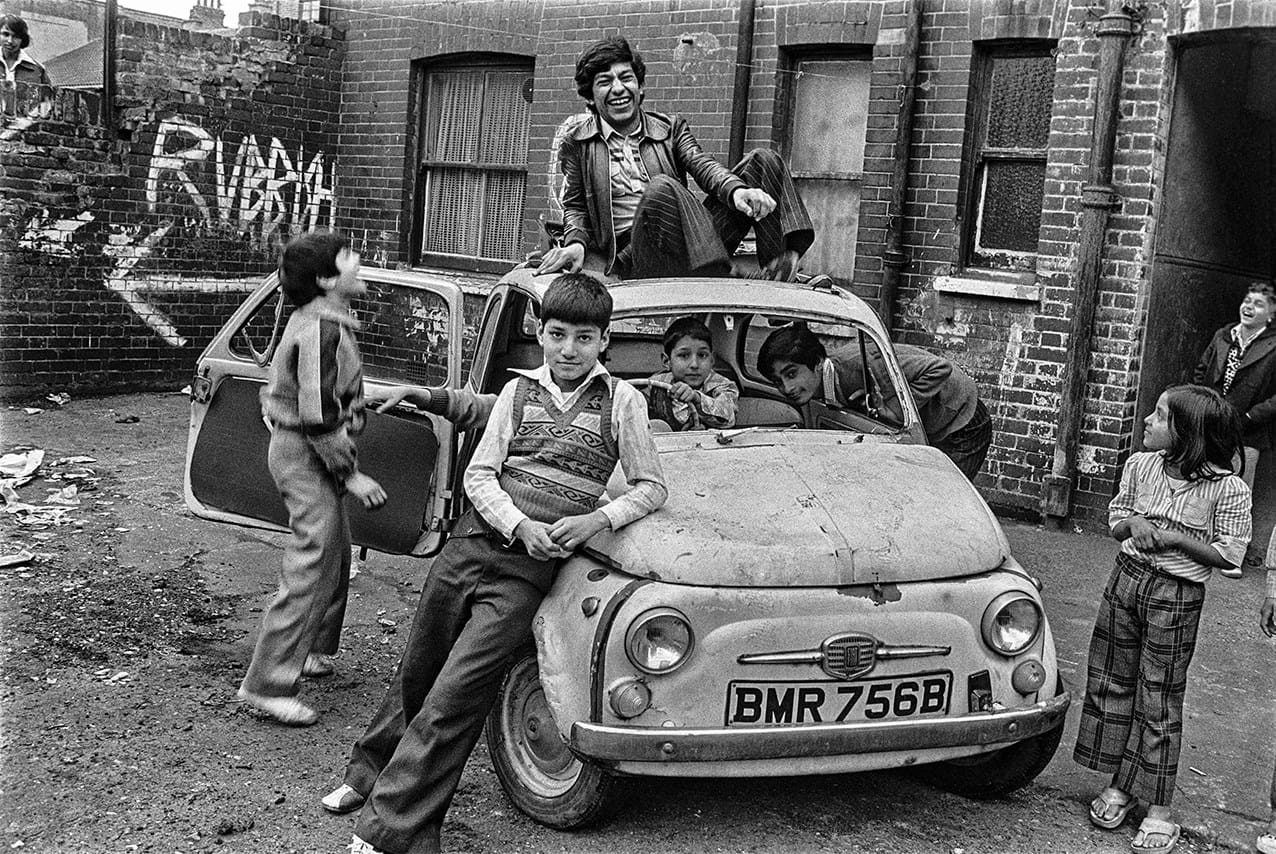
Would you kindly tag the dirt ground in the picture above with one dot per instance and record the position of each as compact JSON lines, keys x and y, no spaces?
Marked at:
{"x":125,"y":636}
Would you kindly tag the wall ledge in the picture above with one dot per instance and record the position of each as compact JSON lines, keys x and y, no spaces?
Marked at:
{"x":1008,"y":287}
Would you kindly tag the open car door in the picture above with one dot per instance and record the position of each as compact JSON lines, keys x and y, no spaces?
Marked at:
{"x":410,"y":334}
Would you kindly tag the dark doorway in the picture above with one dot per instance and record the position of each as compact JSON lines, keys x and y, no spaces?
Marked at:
{"x":1216,"y":229}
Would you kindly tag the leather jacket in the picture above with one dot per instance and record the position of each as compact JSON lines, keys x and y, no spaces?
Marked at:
{"x":667,"y":147}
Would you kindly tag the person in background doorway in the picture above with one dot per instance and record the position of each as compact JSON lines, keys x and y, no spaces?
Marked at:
{"x":1240,"y":364}
{"x":19,"y":66}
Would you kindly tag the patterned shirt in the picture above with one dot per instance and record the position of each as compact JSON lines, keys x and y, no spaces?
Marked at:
{"x":1216,"y":512}
{"x":628,"y":174}
{"x":714,"y":408}
{"x":1234,"y":355}
{"x":638,"y":458}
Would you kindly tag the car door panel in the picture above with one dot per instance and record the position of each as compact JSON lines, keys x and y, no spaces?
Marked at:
{"x":408,"y":453}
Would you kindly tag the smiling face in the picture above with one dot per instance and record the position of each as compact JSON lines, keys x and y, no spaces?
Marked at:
{"x":571,"y":350}
{"x":616,"y":95}
{"x":690,"y":361}
{"x":10,"y":43}
{"x":796,"y":382}
{"x":1256,"y":310}
{"x":1158,"y":433}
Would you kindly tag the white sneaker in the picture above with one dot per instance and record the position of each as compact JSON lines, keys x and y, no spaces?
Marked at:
{"x":342,"y":800}
{"x":286,"y":710}
{"x":360,"y":846}
{"x":1231,"y":572}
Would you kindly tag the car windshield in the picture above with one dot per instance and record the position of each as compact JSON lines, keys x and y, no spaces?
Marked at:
{"x":867,"y":398}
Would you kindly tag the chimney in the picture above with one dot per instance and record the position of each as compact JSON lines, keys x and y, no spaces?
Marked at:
{"x":208,"y":14}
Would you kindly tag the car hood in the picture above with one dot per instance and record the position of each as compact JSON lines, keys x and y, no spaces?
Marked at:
{"x":807,"y":508}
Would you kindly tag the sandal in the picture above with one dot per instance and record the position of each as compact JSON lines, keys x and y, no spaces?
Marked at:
{"x":1113,"y":821}
{"x":1266,"y":843}
{"x":1155,"y":827}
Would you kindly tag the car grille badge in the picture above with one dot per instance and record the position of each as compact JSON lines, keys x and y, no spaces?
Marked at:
{"x":848,"y":655}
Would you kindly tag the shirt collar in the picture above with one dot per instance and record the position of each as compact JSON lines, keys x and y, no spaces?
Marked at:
{"x":322,"y":308}
{"x":1239,"y":337}
{"x":608,"y":131}
{"x":543,"y":378}
{"x":23,"y":58}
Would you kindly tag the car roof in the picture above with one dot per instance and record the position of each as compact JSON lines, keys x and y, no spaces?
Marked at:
{"x":694,"y":294}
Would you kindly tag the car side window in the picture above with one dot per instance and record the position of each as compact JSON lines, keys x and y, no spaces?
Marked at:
{"x":872,"y":391}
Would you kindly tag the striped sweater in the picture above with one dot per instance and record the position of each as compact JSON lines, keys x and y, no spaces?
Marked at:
{"x":316,"y":384}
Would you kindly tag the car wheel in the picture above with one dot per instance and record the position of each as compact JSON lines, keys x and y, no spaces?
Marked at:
{"x":991,"y":775}
{"x":539,"y":774}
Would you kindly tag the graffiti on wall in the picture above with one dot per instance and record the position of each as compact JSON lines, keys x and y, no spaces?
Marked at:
{"x":259,"y":190}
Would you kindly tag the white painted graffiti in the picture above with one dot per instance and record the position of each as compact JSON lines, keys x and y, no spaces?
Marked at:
{"x":256,"y":193}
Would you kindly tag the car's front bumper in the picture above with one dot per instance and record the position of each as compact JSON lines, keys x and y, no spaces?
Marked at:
{"x":609,"y":744}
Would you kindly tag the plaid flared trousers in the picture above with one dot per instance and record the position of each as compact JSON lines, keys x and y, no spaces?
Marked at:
{"x":1143,"y":641}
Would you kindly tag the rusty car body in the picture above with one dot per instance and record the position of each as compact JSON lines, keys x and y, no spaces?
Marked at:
{"x":822,"y":592}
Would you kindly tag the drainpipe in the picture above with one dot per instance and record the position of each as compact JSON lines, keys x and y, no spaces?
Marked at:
{"x":740,"y":89}
{"x":110,"y":27}
{"x":894,"y":259}
{"x":1098,"y":199}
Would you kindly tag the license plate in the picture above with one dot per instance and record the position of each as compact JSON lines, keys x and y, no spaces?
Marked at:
{"x":771,"y":703}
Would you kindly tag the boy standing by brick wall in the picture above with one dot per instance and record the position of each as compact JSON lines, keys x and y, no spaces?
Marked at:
{"x":553,"y":439}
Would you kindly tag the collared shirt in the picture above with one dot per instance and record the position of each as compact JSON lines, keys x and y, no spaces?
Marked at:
{"x":629,"y":176}
{"x":1235,"y":353}
{"x":715,"y":407}
{"x":1216,"y":512}
{"x":25,"y":70}
{"x":638,"y":458}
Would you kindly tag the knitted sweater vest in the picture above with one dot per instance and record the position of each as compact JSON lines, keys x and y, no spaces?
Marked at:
{"x":559,"y":462}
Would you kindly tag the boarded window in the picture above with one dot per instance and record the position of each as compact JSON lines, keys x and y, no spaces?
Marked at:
{"x":473,"y":167}
{"x":1011,"y":101}
{"x":826,"y":154}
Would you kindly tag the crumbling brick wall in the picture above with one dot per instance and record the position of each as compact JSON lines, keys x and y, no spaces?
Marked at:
{"x":123,"y":248}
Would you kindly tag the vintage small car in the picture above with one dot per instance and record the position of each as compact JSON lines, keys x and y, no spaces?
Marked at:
{"x":821,"y":593}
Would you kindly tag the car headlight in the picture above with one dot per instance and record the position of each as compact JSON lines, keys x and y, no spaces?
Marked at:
{"x":1011,"y":623}
{"x":659,"y":640}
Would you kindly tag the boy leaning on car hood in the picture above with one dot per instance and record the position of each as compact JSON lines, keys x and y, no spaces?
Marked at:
{"x":554,"y":436}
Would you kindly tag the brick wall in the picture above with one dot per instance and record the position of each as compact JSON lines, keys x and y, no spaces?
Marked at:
{"x":1014,"y":348}
{"x":124,"y":248}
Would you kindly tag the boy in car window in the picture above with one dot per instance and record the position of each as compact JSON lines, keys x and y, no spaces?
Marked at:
{"x":554,"y":436}
{"x":690,"y":394}
{"x":954,"y":417}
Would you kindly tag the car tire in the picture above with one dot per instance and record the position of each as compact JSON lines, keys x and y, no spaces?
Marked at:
{"x":537,"y":771}
{"x":991,"y":775}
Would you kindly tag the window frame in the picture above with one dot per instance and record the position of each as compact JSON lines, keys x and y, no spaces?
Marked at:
{"x":976,"y":154}
{"x":417,"y":166}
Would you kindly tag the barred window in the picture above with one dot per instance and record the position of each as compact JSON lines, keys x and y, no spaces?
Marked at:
{"x":1011,"y":99}
{"x":472,"y":176}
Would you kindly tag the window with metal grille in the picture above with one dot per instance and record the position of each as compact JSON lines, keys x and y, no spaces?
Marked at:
{"x":472,"y":175}
{"x":1011,"y":98}
{"x":828,"y":110}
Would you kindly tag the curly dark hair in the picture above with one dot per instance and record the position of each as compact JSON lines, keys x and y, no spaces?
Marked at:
{"x":18,"y":27}
{"x":602,"y":55}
